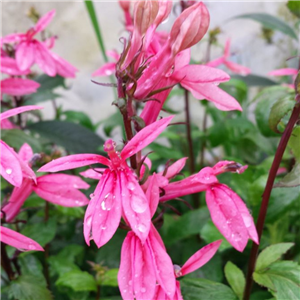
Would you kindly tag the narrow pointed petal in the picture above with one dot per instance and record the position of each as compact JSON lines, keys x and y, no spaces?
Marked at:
{"x":245,"y":214}
{"x":227,"y":49}
{"x":216,"y":62}
{"x":103,"y":214}
{"x":175,"y":168}
{"x":283,"y":72}
{"x":18,"y":86}
{"x":135,"y":204}
{"x":163,"y":265}
{"x":17,"y":199}
{"x":144,"y":137}
{"x":25,"y":55}
{"x":160,"y":294}
{"x":125,"y":271}
{"x":64,"y":68}
{"x":19,"y":241}
{"x":10,"y":168}
{"x":70,"y":181}
{"x":93,"y":173}
{"x":236,"y":68}
{"x":178,"y":295}
{"x":18,"y":110}
{"x":44,"y":59}
{"x":43,"y":22}
{"x":12,"y":38}
{"x":200,"y":258}
{"x":74,"y":161}
{"x":9,"y":66}
{"x":226,"y":217}
{"x":106,"y":70}
{"x":152,"y":194}
{"x":25,"y":152}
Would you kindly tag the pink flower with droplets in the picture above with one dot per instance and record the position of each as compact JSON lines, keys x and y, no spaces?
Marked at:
{"x":118,"y":192}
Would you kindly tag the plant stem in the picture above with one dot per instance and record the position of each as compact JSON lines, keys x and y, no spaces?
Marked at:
{"x":204,"y":128}
{"x":5,"y":262}
{"x":266,"y":195}
{"x":46,"y":252}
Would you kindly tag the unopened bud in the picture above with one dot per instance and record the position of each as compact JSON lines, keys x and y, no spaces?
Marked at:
{"x":124,"y":4}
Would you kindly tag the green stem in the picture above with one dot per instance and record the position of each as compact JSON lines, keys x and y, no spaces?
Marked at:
{"x":266,"y":195}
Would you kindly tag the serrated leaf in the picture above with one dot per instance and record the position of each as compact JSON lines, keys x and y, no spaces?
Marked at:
{"x":203,"y":289}
{"x":42,"y":233}
{"x":292,"y":179}
{"x":255,"y":80}
{"x":74,"y":137}
{"x":235,"y":278}
{"x":271,"y":254}
{"x":78,"y":281}
{"x":294,"y":7}
{"x":110,"y":278}
{"x":282,"y":279}
{"x":280,"y":108}
{"x":270,"y":22}
{"x":16,"y":138}
{"x":27,"y":287}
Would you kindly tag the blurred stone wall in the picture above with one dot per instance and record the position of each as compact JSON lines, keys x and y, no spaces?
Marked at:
{"x":77,"y":43}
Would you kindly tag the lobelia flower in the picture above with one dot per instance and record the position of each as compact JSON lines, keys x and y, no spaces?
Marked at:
{"x":61,"y":189}
{"x":234,"y":67}
{"x":12,"y":167}
{"x":196,"y":261}
{"x":144,"y":264}
{"x":118,"y":191}
{"x":285,"y":72}
{"x":228,"y":211}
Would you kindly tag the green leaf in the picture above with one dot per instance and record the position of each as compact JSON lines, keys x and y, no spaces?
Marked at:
{"x":280,"y":108}
{"x":73,"y":137}
{"x":294,"y":7}
{"x":236,"y":88}
{"x":31,"y":266}
{"x":282,"y":279}
{"x":60,"y":266}
{"x":235,"y":278}
{"x":110,"y":278}
{"x":203,"y":289}
{"x":78,"y":117}
{"x":292,"y":179}
{"x":294,"y":142}
{"x":255,"y":80}
{"x":28,"y":287}
{"x":270,"y":22}
{"x":112,"y":122}
{"x":210,"y":233}
{"x":188,"y":224}
{"x":78,"y":281}
{"x":271,"y":254}
{"x":43,"y":232}
{"x":16,"y":138}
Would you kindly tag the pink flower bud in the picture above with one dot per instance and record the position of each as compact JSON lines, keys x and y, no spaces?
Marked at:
{"x":125,"y":5}
{"x":189,"y":27}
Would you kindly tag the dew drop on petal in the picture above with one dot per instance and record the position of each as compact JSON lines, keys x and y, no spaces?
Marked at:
{"x":103,"y":227}
{"x":141,"y":227}
{"x":143,"y":290}
{"x":88,"y":221}
{"x":131,"y":186}
{"x":130,"y":282}
{"x":107,"y":203}
{"x":31,"y":247}
{"x":8,"y":171}
{"x":75,"y":186}
{"x":138,"y":204}
{"x":92,"y":195}
{"x":247,"y":220}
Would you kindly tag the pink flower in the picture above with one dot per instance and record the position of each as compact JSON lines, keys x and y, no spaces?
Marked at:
{"x":196,"y":261}
{"x":228,"y":211}
{"x":59,"y":189}
{"x":108,"y":68}
{"x":18,"y":86}
{"x":234,"y":67}
{"x":118,"y":191}
{"x":12,"y":167}
{"x":285,"y":72}
{"x":144,"y":264}
{"x":17,"y":240}
{"x":9,"y":66}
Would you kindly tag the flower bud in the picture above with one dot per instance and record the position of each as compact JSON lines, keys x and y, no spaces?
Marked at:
{"x":125,"y":5}
{"x":189,"y":27}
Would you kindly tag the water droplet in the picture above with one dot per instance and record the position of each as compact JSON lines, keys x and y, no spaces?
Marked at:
{"x":103,"y":227}
{"x":125,"y":291}
{"x":8,"y":171}
{"x":77,"y":202}
{"x":92,"y":195}
{"x":143,"y":290}
{"x":141,"y":228}
{"x":136,"y":275}
{"x":88,"y":221}
{"x":247,"y":220}
{"x":138,"y":204}
{"x":130,"y":282}
{"x":75,"y":186}
{"x":131,"y":186}
{"x":107,"y":203}
{"x":31,"y":247}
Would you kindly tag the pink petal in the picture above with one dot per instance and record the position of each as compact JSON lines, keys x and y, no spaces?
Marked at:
{"x":18,"y":86}
{"x":70,"y":181}
{"x":74,"y":161}
{"x":6,"y":124}
{"x":200,"y":74}
{"x":25,"y":153}
{"x":182,"y":59}
{"x":283,"y":72}
{"x":93,"y":173}
{"x":18,"y":240}
{"x":221,"y":99}
{"x":18,"y":110}
{"x":163,"y":265}
{"x":10,"y":168}
{"x":178,"y":295}
{"x":103,"y":214}
{"x":113,"y":54}
{"x":12,"y":38}
{"x":175,"y":168}
{"x":216,"y":62}
{"x":106,"y":70}
{"x":152,"y":194}
{"x":200,"y":258}
{"x":148,"y":162}
{"x":160,"y":294}
{"x":227,"y":49}
{"x":226,"y":217}
{"x":64,"y":68}
{"x":236,"y":68}
{"x":9,"y":66}
{"x":144,"y":137}
{"x":43,"y":22}
{"x":135,"y":204}
{"x":125,"y":271}
{"x":16,"y":200}
{"x":25,"y":55}
{"x":44,"y":59}
{"x":244,"y":212}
